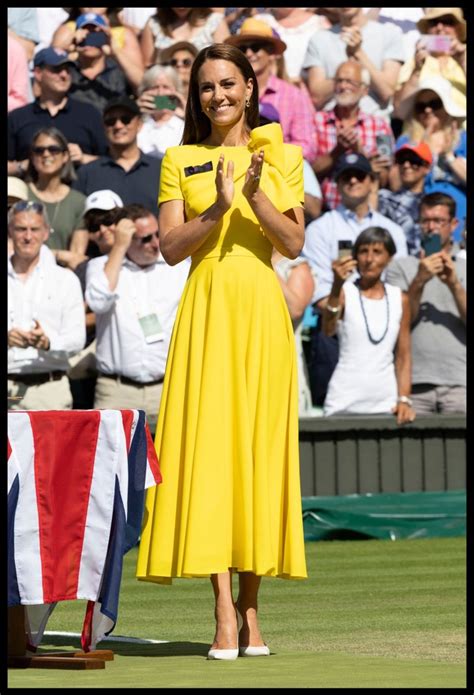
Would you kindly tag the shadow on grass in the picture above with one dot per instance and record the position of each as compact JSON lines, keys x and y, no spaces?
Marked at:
{"x":131,"y":649}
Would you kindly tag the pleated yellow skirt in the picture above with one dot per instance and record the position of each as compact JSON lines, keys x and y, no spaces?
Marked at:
{"x":227,"y":433}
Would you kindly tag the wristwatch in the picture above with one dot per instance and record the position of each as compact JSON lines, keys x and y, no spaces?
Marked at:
{"x":405,"y":399}
{"x":333,"y":309}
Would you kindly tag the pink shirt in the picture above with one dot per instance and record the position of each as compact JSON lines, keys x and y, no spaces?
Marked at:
{"x":297,"y":114}
{"x":18,"y":75}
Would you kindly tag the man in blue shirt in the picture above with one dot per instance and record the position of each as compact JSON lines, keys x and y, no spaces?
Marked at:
{"x":403,"y":206}
{"x":132,"y":175}
{"x":354,"y":176}
{"x":80,"y":123}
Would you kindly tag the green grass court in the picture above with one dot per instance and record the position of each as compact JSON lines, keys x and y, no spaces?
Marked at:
{"x":373,"y":614}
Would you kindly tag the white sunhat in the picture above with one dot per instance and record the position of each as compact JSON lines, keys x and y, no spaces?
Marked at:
{"x":17,"y":188}
{"x":103,"y":200}
{"x":454,"y":101}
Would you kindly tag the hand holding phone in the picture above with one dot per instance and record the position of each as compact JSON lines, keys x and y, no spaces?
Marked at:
{"x":344,"y":248}
{"x":436,"y":43}
{"x":384,"y":144}
{"x":167,"y":101}
{"x":431,"y":243}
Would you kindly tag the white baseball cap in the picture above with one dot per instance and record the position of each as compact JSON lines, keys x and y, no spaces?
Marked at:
{"x":103,"y":200}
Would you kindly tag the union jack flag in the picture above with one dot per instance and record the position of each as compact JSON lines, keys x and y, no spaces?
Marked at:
{"x":76,"y":485}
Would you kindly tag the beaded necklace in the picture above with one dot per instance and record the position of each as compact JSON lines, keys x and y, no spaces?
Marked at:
{"x":371,"y":338}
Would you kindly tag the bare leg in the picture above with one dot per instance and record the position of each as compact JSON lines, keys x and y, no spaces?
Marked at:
{"x":247,"y":606}
{"x":226,"y":619}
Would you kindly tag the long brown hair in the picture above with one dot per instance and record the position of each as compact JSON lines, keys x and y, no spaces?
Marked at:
{"x":166,"y":16}
{"x":197,"y":125}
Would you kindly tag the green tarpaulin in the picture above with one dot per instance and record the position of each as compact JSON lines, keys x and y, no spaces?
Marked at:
{"x":389,"y":516}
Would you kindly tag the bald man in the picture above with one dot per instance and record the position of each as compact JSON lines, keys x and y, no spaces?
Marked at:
{"x":346,"y":129}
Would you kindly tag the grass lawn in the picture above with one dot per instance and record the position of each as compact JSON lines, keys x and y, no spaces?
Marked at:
{"x":372,"y":614}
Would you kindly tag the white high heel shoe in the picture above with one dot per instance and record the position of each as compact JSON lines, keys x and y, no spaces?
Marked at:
{"x":223,"y":654}
{"x":254,"y":651}
{"x":251,"y":651}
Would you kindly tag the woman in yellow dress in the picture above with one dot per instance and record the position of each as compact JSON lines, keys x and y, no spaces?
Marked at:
{"x":227,"y":433}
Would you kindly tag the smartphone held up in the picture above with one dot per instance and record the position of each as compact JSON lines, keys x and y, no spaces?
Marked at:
{"x":166,"y":101}
{"x":344,"y":249}
{"x":431,"y":243}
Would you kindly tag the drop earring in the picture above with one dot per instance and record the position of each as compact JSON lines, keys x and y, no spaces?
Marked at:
{"x":247,"y":103}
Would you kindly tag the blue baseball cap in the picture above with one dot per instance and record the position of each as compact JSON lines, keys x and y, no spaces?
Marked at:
{"x":51,"y":56}
{"x":351,"y":162}
{"x":90,"y":18}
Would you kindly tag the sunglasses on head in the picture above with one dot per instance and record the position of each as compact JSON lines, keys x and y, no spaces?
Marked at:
{"x":433,"y":104}
{"x":52,"y":149}
{"x":27,"y":205}
{"x":256,"y":46}
{"x":348,"y":175}
{"x":175,"y":63}
{"x":146,"y":239}
{"x":125,"y":119}
{"x":447,"y":20}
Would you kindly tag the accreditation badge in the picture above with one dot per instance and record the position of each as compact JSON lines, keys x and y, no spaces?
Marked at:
{"x":151,"y":327}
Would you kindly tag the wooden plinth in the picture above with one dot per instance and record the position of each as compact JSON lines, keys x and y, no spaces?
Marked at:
{"x":18,"y":658}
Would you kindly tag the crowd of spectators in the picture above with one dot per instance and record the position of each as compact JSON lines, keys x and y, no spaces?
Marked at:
{"x":376,"y":98}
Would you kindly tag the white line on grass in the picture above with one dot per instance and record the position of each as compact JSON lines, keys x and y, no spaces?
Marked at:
{"x":111,"y":638}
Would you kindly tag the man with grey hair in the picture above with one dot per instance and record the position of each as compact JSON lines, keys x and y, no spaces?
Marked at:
{"x":346,"y":129}
{"x":46,"y":323}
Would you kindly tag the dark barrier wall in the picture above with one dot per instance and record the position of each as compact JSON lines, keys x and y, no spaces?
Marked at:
{"x":358,"y":455}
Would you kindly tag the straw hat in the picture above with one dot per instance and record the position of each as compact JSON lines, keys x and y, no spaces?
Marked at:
{"x":17,"y":188}
{"x":255,"y":30}
{"x":167,"y":53}
{"x":435,"y":12}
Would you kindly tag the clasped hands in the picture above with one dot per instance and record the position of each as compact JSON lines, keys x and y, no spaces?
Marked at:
{"x":36,"y":338}
{"x":225,"y":179}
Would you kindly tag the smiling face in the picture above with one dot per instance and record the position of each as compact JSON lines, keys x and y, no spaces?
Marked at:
{"x":48,"y":155}
{"x":223,"y":93}
{"x":349,"y":88}
{"x":354,"y":186}
{"x":121,"y":126}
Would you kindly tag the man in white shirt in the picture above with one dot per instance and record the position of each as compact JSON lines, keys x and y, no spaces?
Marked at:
{"x":46,"y":321}
{"x":354,"y":178}
{"x":134,"y":294}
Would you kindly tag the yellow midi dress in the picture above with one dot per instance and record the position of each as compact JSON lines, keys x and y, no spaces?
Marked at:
{"x":227,"y":432}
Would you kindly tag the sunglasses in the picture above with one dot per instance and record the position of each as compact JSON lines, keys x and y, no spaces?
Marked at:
{"x":256,"y":46}
{"x":26,"y":206}
{"x":415,"y":164}
{"x":434,"y":105}
{"x":175,"y":63}
{"x":359,"y":175}
{"x":52,"y":149}
{"x":447,"y":20}
{"x":104,"y":220}
{"x":146,"y":239}
{"x":125,"y":119}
